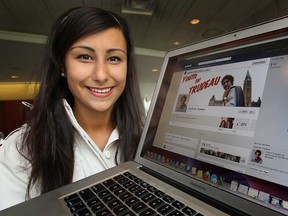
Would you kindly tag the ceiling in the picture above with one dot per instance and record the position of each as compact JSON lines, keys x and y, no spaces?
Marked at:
{"x":24,"y":25}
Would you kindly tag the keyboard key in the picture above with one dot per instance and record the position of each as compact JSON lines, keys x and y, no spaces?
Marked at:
{"x":129,"y":213}
{"x":127,"y":174}
{"x":77,"y":207}
{"x":109,"y":182}
{"x":93,"y":201}
{"x":112,"y":204}
{"x":114,"y":187}
{"x":139,"y":206}
{"x":108,"y":198}
{"x":116,"y":178}
{"x":147,"y":212}
{"x":120,"y":209}
{"x":164,"y":209}
{"x":123,"y":180}
{"x":86,"y":194}
{"x":133,"y":188}
{"x":138,"y":180}
{"x":175,"y":213}
{"x":98,"y":188}
{"x":151,"y":188}
{"x":132,"y":177}
{"x":144,"y":184}
{"x":124,"y":196}
{"x":73,"y":202}
{"x":83,"y":212}
{"x":156,"y":203}
{"x":103,"y":212}
{"x":178,"y":204}
{"x":119,"y":191}
{"x":97,"y":207}
{"x":168,"y":198}
{"x":189,"y":211}
{"x":140,"y":192}
{"x":128,"y":183}
{"x":103,"y":193}
{"x":131,"y":200}
{"x":159,"y":193}
{"x":148,"y":197}
{"x":70,"y":197}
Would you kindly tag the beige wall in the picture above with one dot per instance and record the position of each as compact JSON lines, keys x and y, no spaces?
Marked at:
{"x":17,"y":91}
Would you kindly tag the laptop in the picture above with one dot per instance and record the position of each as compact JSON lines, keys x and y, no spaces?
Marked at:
{"x":198,"y":155}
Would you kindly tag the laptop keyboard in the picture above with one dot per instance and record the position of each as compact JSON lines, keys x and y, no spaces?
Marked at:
{"x":125,"y":195}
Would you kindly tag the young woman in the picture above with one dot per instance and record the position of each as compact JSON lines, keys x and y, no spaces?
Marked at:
{"x":88,"y":114}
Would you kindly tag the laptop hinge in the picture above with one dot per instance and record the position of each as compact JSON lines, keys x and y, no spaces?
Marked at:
{"x":221,"y":206}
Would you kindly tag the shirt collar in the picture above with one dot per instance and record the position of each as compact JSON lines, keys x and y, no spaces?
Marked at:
{"x":113,"y":137}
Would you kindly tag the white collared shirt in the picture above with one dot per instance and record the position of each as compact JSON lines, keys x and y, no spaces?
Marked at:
{"x":15,"y":169}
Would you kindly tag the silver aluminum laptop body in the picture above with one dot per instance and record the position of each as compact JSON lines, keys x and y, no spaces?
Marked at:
{"x":186,"y":154}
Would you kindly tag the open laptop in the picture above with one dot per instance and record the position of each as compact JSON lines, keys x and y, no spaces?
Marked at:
{"x":197,"y":156}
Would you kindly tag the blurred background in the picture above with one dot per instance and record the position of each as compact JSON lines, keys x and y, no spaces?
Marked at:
{"x":157,"y":26}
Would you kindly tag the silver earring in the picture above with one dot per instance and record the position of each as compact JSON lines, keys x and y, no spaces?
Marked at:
{"x":62,"y":74}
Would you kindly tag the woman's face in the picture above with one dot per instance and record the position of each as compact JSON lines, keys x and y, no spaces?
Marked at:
{"x":96,"y":69}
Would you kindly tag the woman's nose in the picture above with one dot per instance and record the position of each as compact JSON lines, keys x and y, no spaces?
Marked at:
{"x":100,"y":72}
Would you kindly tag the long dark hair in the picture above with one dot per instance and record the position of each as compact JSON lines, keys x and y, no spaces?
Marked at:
{"x":49,"y":138}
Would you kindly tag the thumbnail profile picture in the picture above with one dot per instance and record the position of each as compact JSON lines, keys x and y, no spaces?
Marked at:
{"x":226,"y":123}
{"x":182,"y":103}
{"x":256,"y":156}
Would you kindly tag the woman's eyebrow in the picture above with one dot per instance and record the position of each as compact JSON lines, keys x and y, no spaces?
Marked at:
{"x":93,"y":50}
{"x":83,"y":47}
{"x":115,"y":50}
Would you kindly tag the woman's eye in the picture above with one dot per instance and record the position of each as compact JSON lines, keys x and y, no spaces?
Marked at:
{"x":84,"y":57}
{"x":114,"y":59}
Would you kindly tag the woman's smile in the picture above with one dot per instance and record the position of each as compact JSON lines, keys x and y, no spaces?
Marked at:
{"x":100,"y":92}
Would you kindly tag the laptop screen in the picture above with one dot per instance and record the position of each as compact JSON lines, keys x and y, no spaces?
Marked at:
{"x":218,"y":121}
